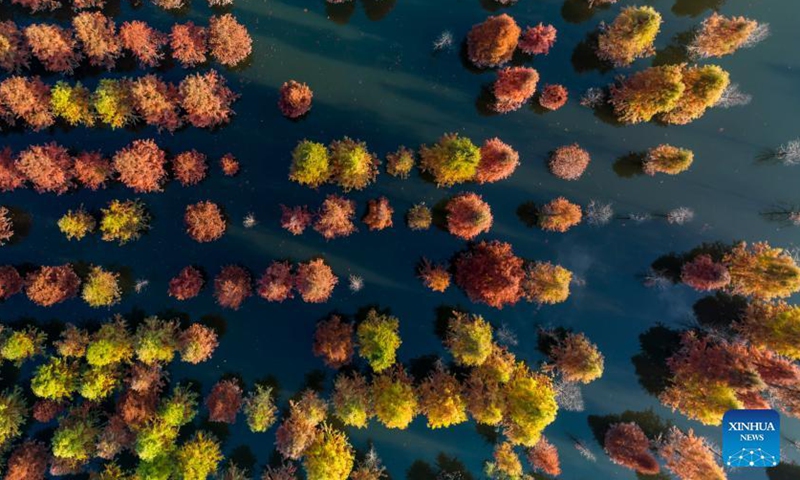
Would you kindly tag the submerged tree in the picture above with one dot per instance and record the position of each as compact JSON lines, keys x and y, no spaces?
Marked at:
{"x":434,"y":277}
{"x":295,"y":99}
{"x":453,"y":159}
{"x":52,"y":284}
{"x":492,"y":42}
{"x":76,"y":224}
{"x":667,"y":159}
{"x":333,"y":341}
{"x":141,"y":166}
{"x":720,"y":35}
{"x":513,"y":88}
{"x":545,"y":283}
{"x":490,"y":273}
{"x":629,"y":36}
{"x":394,"y":398}
{"x":689,"y":457}
{"x":645,"y":94}
{"x":569,"y":162}
{"x":378,"y":340}
{"x":232,"y":286}
{"x":315,"y":281}
{"x":627,"y":445}
{"x":538,"y":40}
{"x":228,"y":40}
{"x":468,"y":216}
{"x":124,"y":221}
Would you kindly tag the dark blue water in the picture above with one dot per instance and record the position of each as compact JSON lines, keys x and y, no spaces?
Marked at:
{"x":375,"y":78}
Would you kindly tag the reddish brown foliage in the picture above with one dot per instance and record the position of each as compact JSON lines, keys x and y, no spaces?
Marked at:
{"x":197,"y":343}
{"x":559,"y":215}
{"x":490,"y":273}
{"x":83,"y":4}
{"x":468,"y":216}
{"x":137,"y":407}
{"x":204,"y":221}
{"x":228,"y":40}
{"x":315,"y":281}
{"x":52,"y":284}
{"x":224,"y":401}
{"x":514,"y":86}
{"x":493,"y":42}
{"x":10,"y":177}
{"x":46,"y":410}
{"x":186,"y":284}
{"x":704,"y":274}
{"x":98,"y":34}
{"x":27,"y":99}
{"x":379,"y":214}
{"x":232,"y":287}
{"x":627,"y":445}
{"x":295,"y":219}
{"x":141,"y":166}
{"x":292,"y":438}
{"x":38,"y":5}
{"x":10,"y":282}
{"x":144,"y":378}
{"x":28,"y":462}
{"x":145,"y":42}
{"x":498,"y":161}
{"x":189,"y":44}
{"x":54,"y":47}
{"x":544,"y":457}
{"x":157,"y":102}
{"x":6,"y":225}
{"x":229,"y":165}
{"x":277,"y":282}
{"x":114,"y":437}
{"x":295,"y":99}
{"x":553,"y":97}
{"x":569,"y":162}
{"x":189,"y":167}
{"x":48,"y":167}
{"x":14,"y":54}
{"x":435,"y":277}
{"x":538,"y":40}
{"x":335,"y":217}
{"x":333,"y":341}
{"x":206,"y":99}
{"x":92,"y":170}
{"x":65,"y":466}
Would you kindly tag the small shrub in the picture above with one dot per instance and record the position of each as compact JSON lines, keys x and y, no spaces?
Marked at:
{"x":434,"y":277}
{"x":229,"y":165}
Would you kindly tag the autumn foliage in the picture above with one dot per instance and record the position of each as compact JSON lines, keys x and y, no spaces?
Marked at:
{"x":277,"y":282}
{"x":627,"y":445}
{"x":157,"y":102}
{"x":544,"y":458}
{"x":335,"y":217}
{"x":315,"y":281}
{"x":513,"y":88}
{"x":10,"y":177}
{"x":28,"y":462}
{"x":690,"y":457}
{"x":48,"y":167}
{"x":189,"y":44}
{"x":630,"y":36}
{"x":55,"y":47}
{"x":434,"y":277}
{"x":10,"y":282}
{"x":92,"y":170}
{"x":559,"y":215}
{"x":667,"y":159}
{"x":27,"y":99}
{"x":204,"y":222}
{"x":498,"y":161}
{"x":647,"y":93}
{"x":15,"y":53}
{"x":206,"y":99}
{"x":197,"y":343}
{"x":333,"y":341}
{"x":720,"y":35}
{"x":232,"y":287}
{"x":228,"y":40}
{"x":493,"y":42}
{"x":224,"y":401}
{"x":295,"y":99}
{"x":453,"y":159}
{"x":545,"y":283}
{"x":578,"y":359}
{"x":704,"y":274}
{"x":189,"y":167}
{"x":144,"y":42}
{"x":490,"y":273}
{"x":186,"y":284}
{"x":296,"y":219}
{"x":141,"y":166}
{"x":379,"y":214}
{"x":52,"y":284}
{"x":468,"y":216}
{"x":553,"y":96}
{"x":98,"y":36}
{"x":762,"y":271}
{"x":6,"y":225}
{"x":569,"y":162}
{"x":538,"y":40}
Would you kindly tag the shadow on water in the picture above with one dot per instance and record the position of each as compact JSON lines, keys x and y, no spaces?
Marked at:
{"x":676,"y":52}
{"x":446,"y":467}
{"x":584,"y":57}
{"x":693,"y":8}
{"x":784,"y":471}
{"x":657,"y":345}
{"x":719,"y":311}
{"x":528,"y":214}
{"x":375,"y":10}
{"x":22,"y":222}
{"x":630,"y":165}
{"x":579,"y":11}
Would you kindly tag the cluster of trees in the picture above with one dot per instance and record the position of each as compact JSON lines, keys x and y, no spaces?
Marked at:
{"x":202,"y":100}
{"x":492,"y":42}
{"x":51,"y":284}
{"x":142,"y":166}
{"x":78,"y":5}
{"x":96,"y":38}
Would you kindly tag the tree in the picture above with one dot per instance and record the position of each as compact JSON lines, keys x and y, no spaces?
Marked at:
{"x":186,"y":284}
{"x":229,"y":165}
{"x":310,"y":164}
{"x":315,"y":281}
{"x":13,"y":413}
{"x":419,"y":217}
{"x":394,"y":398}
{"x":72,"y":342}
{"x":513,"y":88}
{"x":333,"y":341}
{"x":189,"y":44}
{"x":468,"y":216}
{"x":73,"y":103}
{"x":353,"y":167}
{"x":101,"y":288}
{"x":538,"y":40}
{"x":27,"y":99}
{"x":400,"y":163}
{"x":189,"y":167}
{"x":553,"y":96}
{"x":559,"y":215}
{"x":197,"y":343}
{"x":545,"y":283}
{"x":204,"y":222}
{"x":295,"y":99}
{"x":498,"y":160}
{"x":469,"y":338}
{"x":379,"y":214}
{"x":144,"y":42}
{"x":156,"y":340}
{"x":485,"y":395}
{"x":351,"y":400}
{"x":141,"y":166}
{"x":335,"y":217}
{"x":630,"y":36}
{"x":490,"y":273}
{"x":28,"y":462}
{"x":56,"y":380}
{"x":259,"y":409}
{"x":704,"y":86}
{"x":441,"y":399}
{"x":76,"y":434}
{"x":228,"y":40}
{"x":49,"y":167}
{"x":92,"y":170}
{"x":206,"y":99}
{"x":16,"y":54}
{"x":10,"y":282}
{"x":329,"y":457}
{"x":544,"y":457}
{"x":577,"y":359}
{"x":762,"y":271}
{"x":647,"y":93}
{"x":77,"y":224}
{"x":667,"y":159}
{"x":111,"y":344}
{"x":55,"y":47}
{"x":378,"y":340}
{"x":10,"y":177}
{"x":157,"y":102}
{"x":505,"y":465}
{"x":113,"y":102}
{"x":277,"y":282}
{"x":224,"y":401}
{"x":45,"y":411}
{"x":775,"y":327}
{"x":232,"y":286}
{"x":98,"y":383}
{"x":452,"y":160}
{"x":19,"y":345}
{"x":492,"y":43}
{"x":704,"y":274}
{"x":6,"y":226}
{"x":720,"y":35}
{"x":296,"y":219}
{"x":530,"y":406}
{"x":434,"y":277}
{"x":689,"y":457}
{"x":569,"y":162}
{"x":124,"y":221}
{"x":627,"y":445}
{"x":52,"y":284}
{"x":98,"y":36}
{"x":298,"y":431}
{"x":199,"y":457}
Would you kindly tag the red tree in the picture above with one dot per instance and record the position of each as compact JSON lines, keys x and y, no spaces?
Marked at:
{"x":335,"y":217}
{"x":569,"y":162}
{"x":144,"y":42}
{"x":54,"y":47}
{"x":333,"y":341}
{"x":490,"y":273}
{"x":189,"y":44}
{"x":544,"y":457}
{"x":45,"y":410}
{"x":498,"y":161}
{"x":10,"y":176}
{"x":468,"y":216}
{"x":277,"y":282}
{"x":146,"y":378}
{"x":48,"y":167}
{"x":38,"y":5}
{"x":6,"y":225}
{"x":704,"y":274}
{"x":228,"y":40}
{"x":206,"y":99}
{"x":379,"y":214}
{"x":296,"y":219}
{"x":315,"y":281}
{"x":157,"y":102}
{"x":141,"y":166}
{"x":27,"y":99}
{"x":204,"y":222}
{"x":189,"y":167}
{"x":514,"y":86}
{"x":52,"y":284}
{"x":224,"y":401}
{"x":28,"y":462}
{"x":137,"y":407}
{"x":435,"y":277}
{"x":98,"y":35}
{"x":232,"y":286}
{"x":493,"y":42}
{"x":295,"y":99}
{"x":10,"y":282}
{"x":197,"y":343}
{"x":186,"y":284}
{"x":229,"y":165}
{"x":15,"y":54}
{"x":553,"y":97}
{"x":92,"y":170}
{"x":627,"y":445}
{"x":538,"y":40}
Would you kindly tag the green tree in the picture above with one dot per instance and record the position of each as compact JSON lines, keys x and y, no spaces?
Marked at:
{"x":179,"y":409}
{"x":259,"y":409}
{"x":469,"y":338}
{"x":111,"y":344}
{"x":13,"y":412}
{"x":762,"y":271}
{"x":156,"y":340}
{"x":73,"y":103}
{"x":378,"y":340}
{"x":113,"y":103}
{"x":704,"y":87}
{"x":56,"y":380}
{"x":76,"y":436}
{"x":98,"y":383}
{"x":310,"y":164}
{"x":20,"y":345}
{"x":452,"y":160}
{"x":530,"y":406}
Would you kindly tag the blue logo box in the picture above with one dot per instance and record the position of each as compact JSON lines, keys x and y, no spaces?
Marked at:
{"x":751,"y":438}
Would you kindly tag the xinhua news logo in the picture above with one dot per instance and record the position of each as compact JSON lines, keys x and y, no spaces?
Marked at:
{"x":751,"y":438}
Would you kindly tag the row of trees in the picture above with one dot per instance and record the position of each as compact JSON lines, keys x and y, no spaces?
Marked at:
{"x":78,"y":5}
{"x":202,"y":100}
{"x":95,"y":37}
{"x":142,"y":166}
